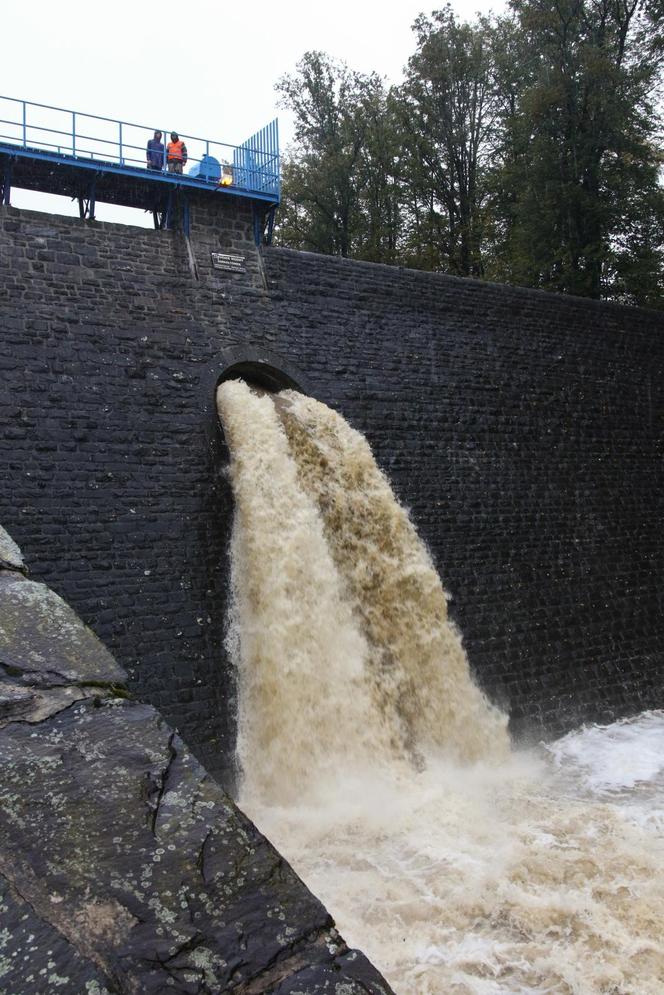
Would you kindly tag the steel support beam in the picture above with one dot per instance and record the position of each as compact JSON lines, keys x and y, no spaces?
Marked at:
{"x":170,"y":211}
{"x":258,"y":223}
{"x":92,"y":202}
{"x":86,"y":205}
{"x":270,"y":225}
{"x":5,"y":192}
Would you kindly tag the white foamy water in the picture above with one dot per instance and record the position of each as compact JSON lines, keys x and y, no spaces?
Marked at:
{"x":614,"y":758}
{"x":621,"y":764}
{"x":380,"y":772}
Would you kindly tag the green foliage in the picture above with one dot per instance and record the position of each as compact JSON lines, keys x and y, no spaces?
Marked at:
{"x":524,"y":148}
{"x":448,"y":110}
{"x":579,"y":142}
{"x":338,"y":184}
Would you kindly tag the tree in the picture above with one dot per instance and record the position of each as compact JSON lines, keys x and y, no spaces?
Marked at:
{"x":525,"y":149}
{"x":379,"y":219}
{"x":337,"y":186}
{"x":580,"y":171}
{"x":448,"y":113}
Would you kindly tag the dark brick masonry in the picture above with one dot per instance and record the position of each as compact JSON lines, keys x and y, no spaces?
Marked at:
{"x":524,"y":430}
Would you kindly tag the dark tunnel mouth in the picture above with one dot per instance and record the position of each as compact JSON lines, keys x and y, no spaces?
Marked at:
{"x":260,"y":374}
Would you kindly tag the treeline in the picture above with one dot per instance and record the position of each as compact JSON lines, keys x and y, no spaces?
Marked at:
{"x":524,"y":148}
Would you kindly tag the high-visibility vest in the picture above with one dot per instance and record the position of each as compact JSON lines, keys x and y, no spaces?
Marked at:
{"x":174,"y":150}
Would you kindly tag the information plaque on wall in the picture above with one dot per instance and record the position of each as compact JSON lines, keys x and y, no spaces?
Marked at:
{"x":234,"y":264}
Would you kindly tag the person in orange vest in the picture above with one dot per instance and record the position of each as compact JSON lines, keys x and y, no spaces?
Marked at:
{"x":176,"y":154}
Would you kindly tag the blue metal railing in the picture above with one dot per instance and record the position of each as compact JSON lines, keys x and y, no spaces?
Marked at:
{"x":254,"y":161}
{"x":45,"y":131}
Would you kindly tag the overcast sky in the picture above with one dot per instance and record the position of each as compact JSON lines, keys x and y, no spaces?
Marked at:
{"x":199,"y":67}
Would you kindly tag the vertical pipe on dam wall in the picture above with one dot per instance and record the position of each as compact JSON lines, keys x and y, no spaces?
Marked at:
{"x":523,"y":430}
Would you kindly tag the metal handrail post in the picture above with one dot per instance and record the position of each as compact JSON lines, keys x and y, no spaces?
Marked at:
{"x":120,"y":140}
{"x":73,"y":132}
{"x":24,"y":127}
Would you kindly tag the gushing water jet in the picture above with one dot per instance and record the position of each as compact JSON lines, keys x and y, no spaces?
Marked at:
{"x":379,"y":768}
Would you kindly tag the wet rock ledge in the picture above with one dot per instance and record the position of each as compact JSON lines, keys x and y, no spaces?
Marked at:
{"x":124,"y":868}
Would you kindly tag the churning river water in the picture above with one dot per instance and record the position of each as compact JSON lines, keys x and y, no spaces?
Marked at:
{"x":460,"y":864}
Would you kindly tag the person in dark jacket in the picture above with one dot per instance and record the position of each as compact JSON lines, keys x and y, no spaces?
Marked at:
{"x":155,"y":152}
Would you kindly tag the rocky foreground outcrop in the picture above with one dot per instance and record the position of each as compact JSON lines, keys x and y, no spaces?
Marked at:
{"x":124,"y":868}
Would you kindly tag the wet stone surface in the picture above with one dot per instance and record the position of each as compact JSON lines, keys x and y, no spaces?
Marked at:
{"x":35,"y":958}
{"x":42,"y":641}
{"x":10,"y":554}
{"x":352,"y":974}
{"x":146,"y":871}
{"x":125,"y":869}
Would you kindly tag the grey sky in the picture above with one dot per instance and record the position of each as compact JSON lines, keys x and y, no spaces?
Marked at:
{"x":201,"y":67}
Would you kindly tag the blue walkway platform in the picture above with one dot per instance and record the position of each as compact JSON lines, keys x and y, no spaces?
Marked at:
{"x":91,"y":158}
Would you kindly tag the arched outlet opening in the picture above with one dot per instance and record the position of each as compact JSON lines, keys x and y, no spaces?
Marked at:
{"x":260,"y":374}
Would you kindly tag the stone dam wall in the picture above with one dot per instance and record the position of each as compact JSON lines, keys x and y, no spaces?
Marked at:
{"x":523,"y":430}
